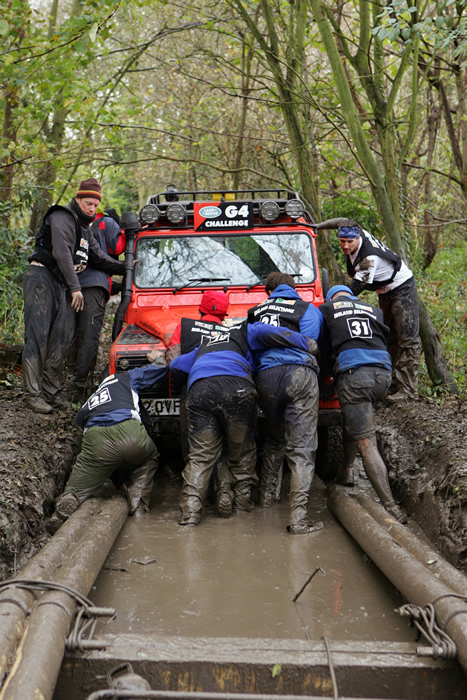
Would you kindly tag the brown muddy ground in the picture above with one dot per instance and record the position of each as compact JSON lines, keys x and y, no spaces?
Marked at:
{"x":423,"y":444}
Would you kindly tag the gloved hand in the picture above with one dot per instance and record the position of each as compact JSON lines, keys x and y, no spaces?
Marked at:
{"x":313,"y":347}
{"x":157,"y":357}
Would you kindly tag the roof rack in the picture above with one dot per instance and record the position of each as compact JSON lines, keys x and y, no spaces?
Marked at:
{"x":219,"y":195}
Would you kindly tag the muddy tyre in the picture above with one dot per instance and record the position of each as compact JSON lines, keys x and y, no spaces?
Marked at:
{"x":330,"y":452}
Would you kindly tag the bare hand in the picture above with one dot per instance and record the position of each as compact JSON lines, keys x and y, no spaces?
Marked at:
{"x":77,"y":301}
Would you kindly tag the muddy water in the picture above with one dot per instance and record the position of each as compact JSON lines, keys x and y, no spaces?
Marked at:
{"x":238,"y":578}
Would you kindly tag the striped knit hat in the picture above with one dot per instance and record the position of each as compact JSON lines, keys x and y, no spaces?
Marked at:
{"x":90,"y":188}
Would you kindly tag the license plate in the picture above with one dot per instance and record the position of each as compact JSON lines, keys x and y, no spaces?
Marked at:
{"x":162,"y":407}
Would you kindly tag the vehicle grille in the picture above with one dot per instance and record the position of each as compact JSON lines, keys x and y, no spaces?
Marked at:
{"x":133,"y":361}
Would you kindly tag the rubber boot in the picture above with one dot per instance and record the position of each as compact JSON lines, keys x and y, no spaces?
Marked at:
{"x":405,"y":377}
{"x":242,"y":497}
{"x":223,"y":479}
{"x":345,"y":474}
{"x":224,"y":503}
{"x":396,"y":511}
{"x":191,"y":510}
{"x":66,"y":506}
{"x":300,"y":484}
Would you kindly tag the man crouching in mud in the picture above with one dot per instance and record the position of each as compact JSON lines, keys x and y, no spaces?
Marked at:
{"x":114,"y":439}
{"x":287,"y":384}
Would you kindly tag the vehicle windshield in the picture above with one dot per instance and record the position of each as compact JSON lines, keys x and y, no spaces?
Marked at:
{"x":239,"y":259}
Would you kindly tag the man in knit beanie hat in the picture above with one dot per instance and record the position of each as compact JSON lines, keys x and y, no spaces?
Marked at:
{"x":83,"y":328}
{"x":64,"y":246}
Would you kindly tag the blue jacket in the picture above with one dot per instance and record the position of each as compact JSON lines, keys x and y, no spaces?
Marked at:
{"x":297,"y":353}
{"x":214,"y":364}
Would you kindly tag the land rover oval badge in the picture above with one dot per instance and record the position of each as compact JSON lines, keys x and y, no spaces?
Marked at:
{"x":210,"y":212}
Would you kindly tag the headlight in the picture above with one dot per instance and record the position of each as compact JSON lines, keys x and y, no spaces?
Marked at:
{"x":124,"y":364}
{"x":269,"y":211}
{"x":294,"y":208}
{"x":149,"y":213}
{"x":175,"y":213}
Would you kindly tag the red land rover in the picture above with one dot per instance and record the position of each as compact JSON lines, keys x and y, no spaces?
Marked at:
{"x":187,"y":242}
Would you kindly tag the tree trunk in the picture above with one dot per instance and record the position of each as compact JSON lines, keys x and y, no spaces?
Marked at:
{"x":434,"y":358}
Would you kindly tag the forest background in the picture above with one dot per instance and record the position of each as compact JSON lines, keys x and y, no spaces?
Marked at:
{"x":359,"y":106}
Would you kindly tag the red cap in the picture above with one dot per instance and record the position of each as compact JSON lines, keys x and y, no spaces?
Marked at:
{"x":215,"y":303}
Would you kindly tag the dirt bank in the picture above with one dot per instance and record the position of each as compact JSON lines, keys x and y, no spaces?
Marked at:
{"x":424,"y":446}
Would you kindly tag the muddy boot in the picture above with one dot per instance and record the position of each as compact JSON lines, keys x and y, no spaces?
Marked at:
{"x":38,"y":404}
{"x":267,"y":497}
{"x":59,"y":401}
{"x":242,"y":496}
{"x":344,"y":477}
{"x":399,"y":398}
{"x":305,"y":527}
{"x":67,"y":504}
{"x":396,"y":512}
{"x":140,"y":510}
{"x":191,"y":510}
{"x":224,"y":501}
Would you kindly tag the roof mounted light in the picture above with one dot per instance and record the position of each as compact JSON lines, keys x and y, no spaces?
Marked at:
{"x":149,"y":214}
{"x":269,"y":211}
{"x":294,"y":208}
{"x":175,"y":213}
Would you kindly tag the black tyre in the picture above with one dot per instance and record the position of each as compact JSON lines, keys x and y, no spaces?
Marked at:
{"x":325,"y":281}
{"x":330,"y":452}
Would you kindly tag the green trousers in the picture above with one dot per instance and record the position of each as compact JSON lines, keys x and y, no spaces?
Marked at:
{"x":125,"y":446}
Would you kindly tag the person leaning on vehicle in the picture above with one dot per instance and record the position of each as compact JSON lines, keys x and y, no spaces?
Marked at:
{"x":64,"y":245}
{"x":84,"y":327}
{"x":189,"y":332}
{"x":362,"y":372}
{"x":186,"y":337}
{"x":114,"y":439}
{"x":221,"y":408}
{"x":287,"y":384}
{"x":374,"y":267}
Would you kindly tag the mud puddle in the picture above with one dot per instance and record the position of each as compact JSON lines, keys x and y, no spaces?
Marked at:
{"x":238,"y":578}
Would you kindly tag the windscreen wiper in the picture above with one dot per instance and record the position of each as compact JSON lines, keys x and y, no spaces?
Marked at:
{"x":200,"y":280}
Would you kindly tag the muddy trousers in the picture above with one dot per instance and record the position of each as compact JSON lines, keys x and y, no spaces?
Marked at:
{"x":288,"y":396}
{"x":83,"y":330}
{"x":125,"y":446}
{"x":44,"y":333}
{"x":400,"y":313}
{"x":358,"y":391}
{"x":222,"y":479}
{"x":221,"y":410}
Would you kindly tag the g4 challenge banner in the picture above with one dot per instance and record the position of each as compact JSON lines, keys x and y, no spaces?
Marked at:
{"x":222,"y":216}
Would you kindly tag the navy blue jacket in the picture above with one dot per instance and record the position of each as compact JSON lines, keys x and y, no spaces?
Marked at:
{"x":351,"y":350}
{"x":310,"y":325}
{"x":225,"y":358}
{"x":139,"y":378}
